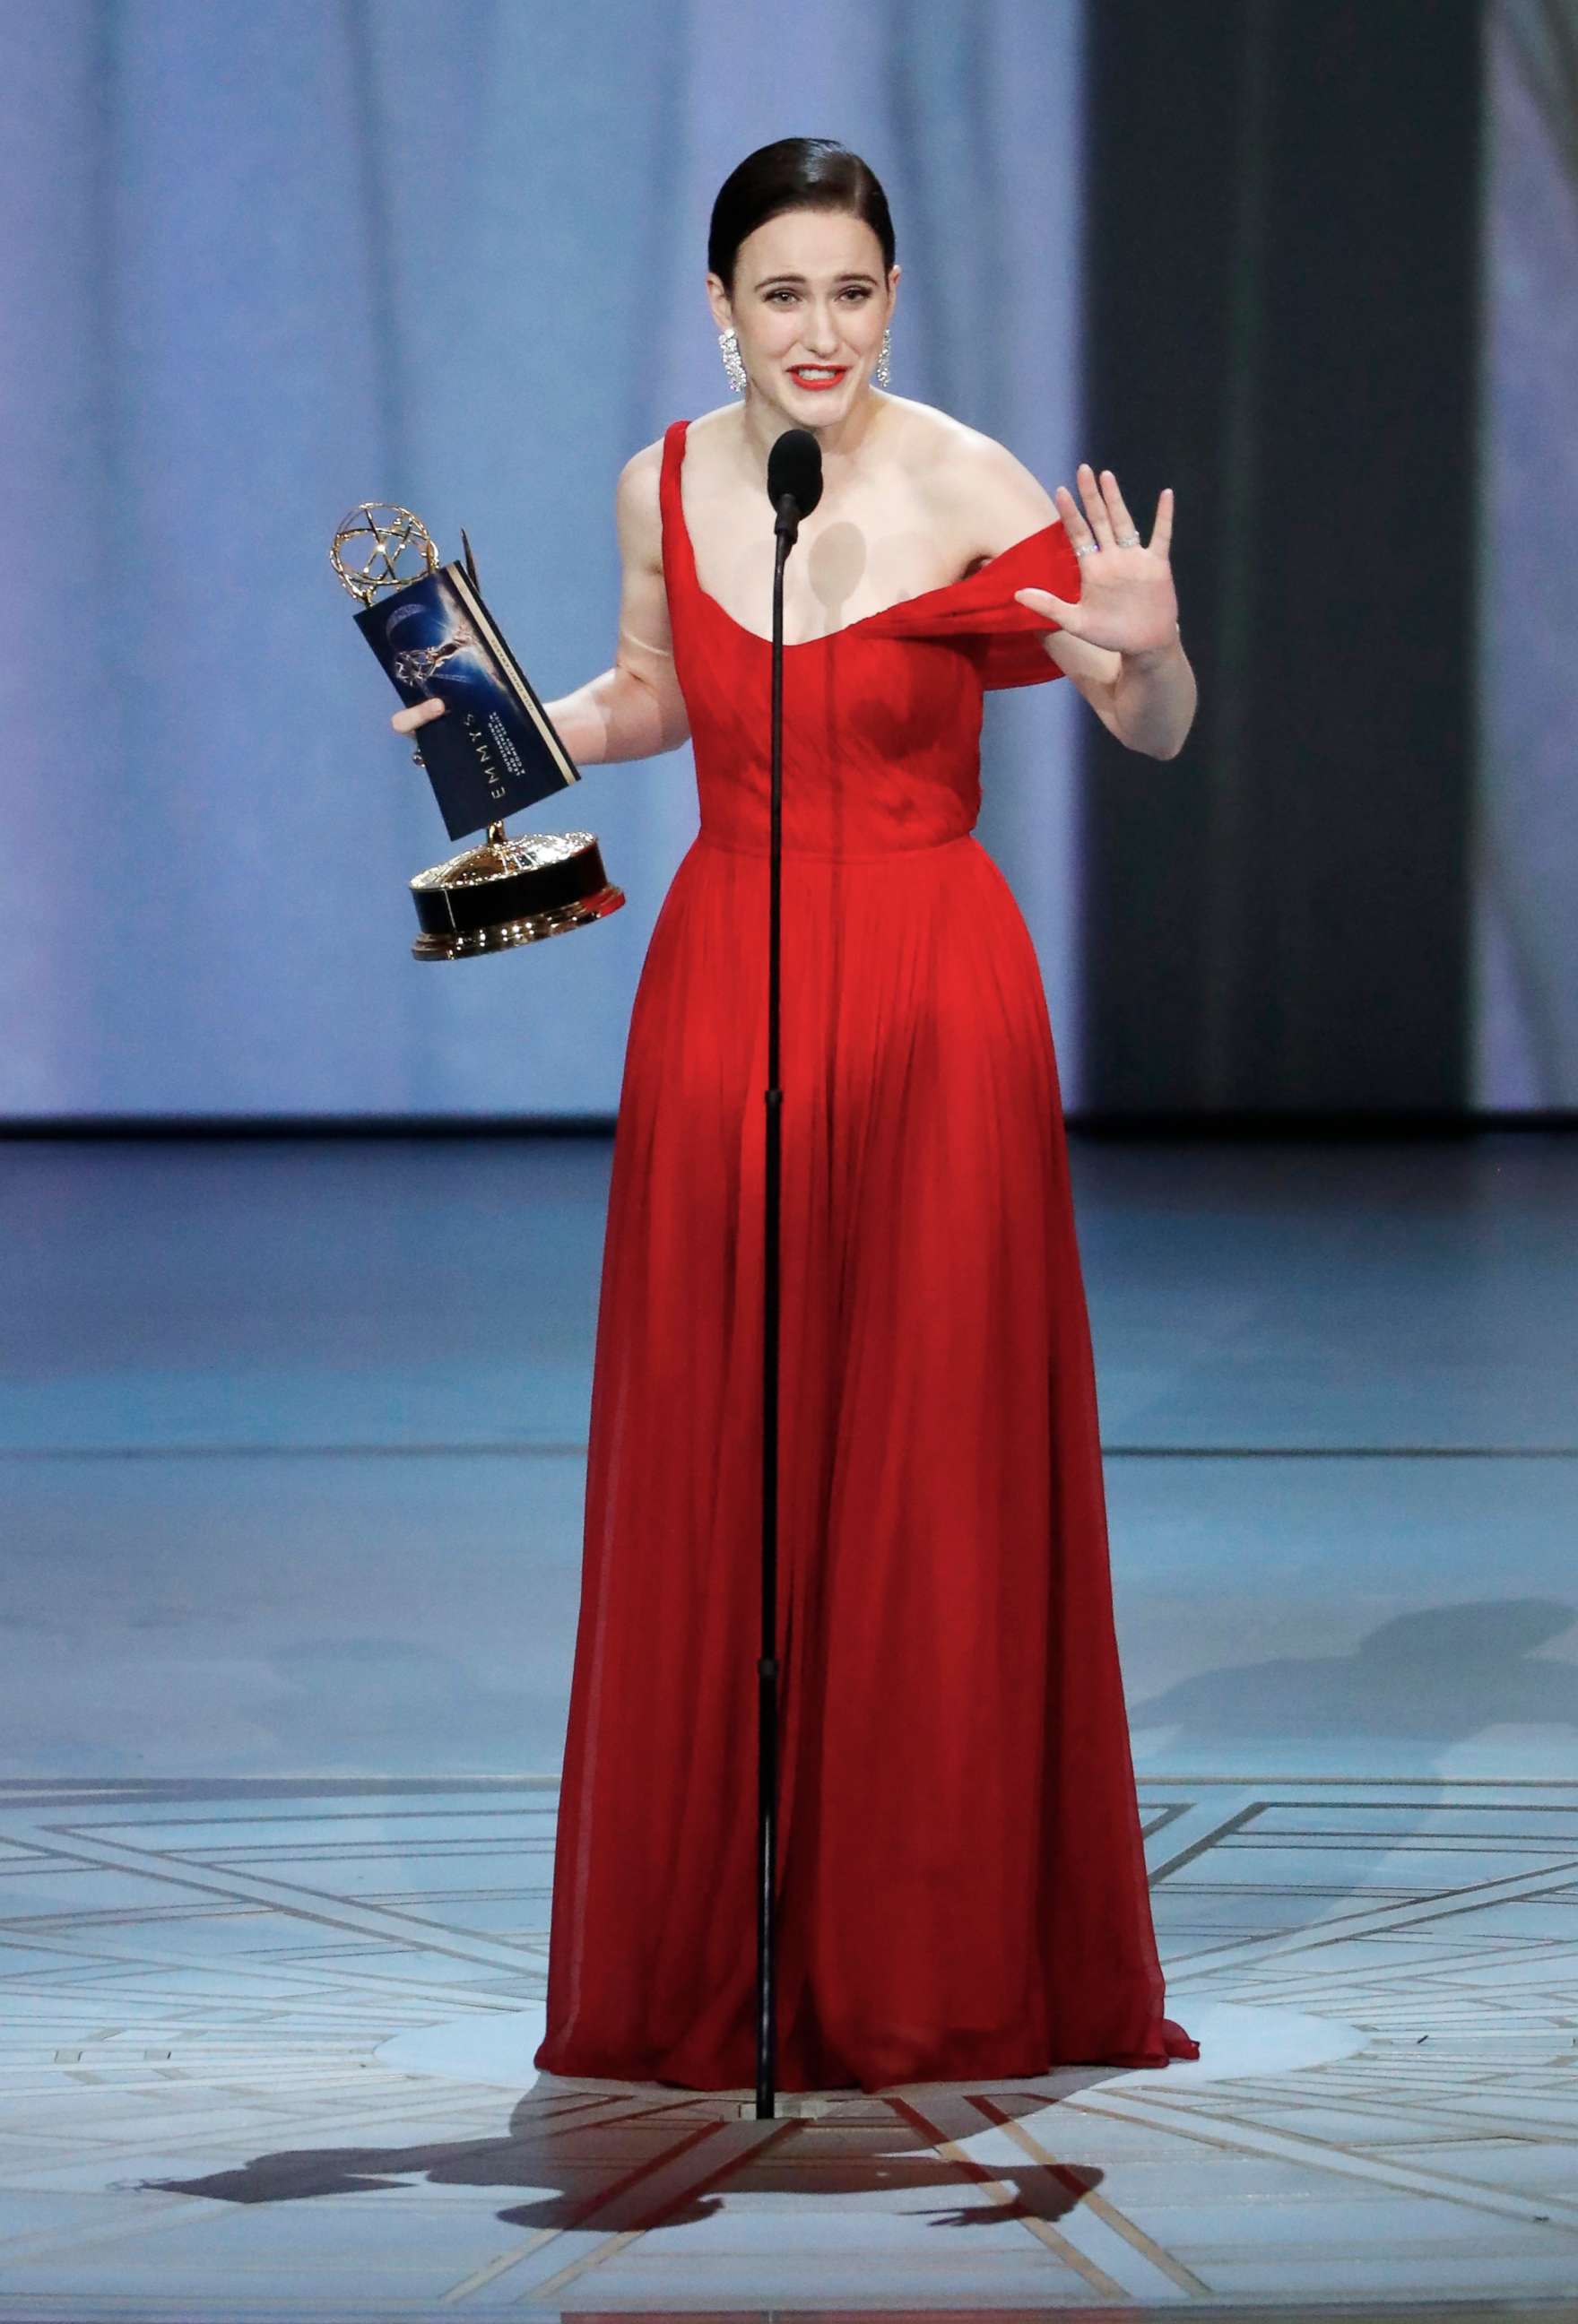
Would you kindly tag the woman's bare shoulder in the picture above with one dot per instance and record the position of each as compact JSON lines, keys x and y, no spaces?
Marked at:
{"x":971,"y":480}
{"x":637,"y":493}
{"x":935,"y":438}
{"x":638,"y":505}
{"x":638,"y":479}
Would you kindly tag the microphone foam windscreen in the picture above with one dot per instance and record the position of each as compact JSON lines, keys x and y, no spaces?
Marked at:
{"x":794,"y":465}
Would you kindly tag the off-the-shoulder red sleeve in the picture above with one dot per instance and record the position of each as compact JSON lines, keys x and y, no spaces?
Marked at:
{"x":980,"y":613}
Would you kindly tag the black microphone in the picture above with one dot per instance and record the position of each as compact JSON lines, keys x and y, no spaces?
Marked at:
{"x":794,"y":479}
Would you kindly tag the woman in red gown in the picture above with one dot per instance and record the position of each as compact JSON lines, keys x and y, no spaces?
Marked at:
{"x":961,"y":1882}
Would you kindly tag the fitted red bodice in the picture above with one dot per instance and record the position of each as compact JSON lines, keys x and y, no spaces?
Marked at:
{"x":882,"y":717}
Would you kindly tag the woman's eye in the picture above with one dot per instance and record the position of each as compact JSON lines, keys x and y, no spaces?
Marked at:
{"x":857,"y":291}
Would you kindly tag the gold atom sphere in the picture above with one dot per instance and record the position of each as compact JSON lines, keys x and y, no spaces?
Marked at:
{"x":381,"y":534}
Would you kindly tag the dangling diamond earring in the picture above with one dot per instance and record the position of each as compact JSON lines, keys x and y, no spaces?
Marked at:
{"x":729,"y":346}
{"x":883,"y":373}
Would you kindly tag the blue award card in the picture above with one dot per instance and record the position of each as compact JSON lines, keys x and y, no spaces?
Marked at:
{"x":494,"y":749}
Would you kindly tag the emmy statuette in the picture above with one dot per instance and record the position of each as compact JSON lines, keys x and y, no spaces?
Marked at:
{"x":494,"y":749}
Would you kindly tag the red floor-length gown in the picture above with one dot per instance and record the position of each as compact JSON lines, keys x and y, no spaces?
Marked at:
{"x":962,"y":1887}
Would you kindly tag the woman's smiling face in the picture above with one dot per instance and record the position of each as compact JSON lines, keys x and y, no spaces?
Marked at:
{"x":810,"y":307}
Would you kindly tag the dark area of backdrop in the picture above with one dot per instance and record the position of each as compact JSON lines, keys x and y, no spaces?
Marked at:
{"x":1290,"y":338}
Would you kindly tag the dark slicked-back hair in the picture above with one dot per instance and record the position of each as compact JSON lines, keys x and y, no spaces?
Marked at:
{"x":794,"y":173}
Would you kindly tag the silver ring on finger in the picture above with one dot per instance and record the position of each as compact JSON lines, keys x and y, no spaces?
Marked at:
{"x":1086,"y":548}
{"x":1129,"y":541}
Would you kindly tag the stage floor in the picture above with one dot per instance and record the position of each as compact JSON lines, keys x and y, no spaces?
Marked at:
{"x":291,"y":1442}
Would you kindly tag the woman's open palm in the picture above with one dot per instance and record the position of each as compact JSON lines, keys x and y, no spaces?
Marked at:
{"x":1127,"y":602}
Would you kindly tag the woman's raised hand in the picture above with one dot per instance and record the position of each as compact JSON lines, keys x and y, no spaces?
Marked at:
{"x":1127,"y":601}
{"x":406,"y":722}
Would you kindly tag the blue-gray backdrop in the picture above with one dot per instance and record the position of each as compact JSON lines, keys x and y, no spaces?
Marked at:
{"x":263,"y":259}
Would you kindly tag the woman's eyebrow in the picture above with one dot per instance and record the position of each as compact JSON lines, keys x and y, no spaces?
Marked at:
{"x":768,"y":280}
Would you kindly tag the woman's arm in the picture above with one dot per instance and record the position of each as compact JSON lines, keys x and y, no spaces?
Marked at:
{"x":1155,"y":698}
{"x":1146,"y":696}
{"x":1148,"y":700}
{"x":634,"y":710}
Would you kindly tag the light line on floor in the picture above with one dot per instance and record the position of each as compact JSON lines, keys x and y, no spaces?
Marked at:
{"x":1097,"y":2204}
{"x":953,"y":2153}
{"x":1222,"y":2129}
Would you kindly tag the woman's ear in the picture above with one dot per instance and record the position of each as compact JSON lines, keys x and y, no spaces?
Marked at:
{"x":717,"y":299}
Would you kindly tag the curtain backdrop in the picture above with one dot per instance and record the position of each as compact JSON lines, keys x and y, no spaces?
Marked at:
{"x":1283,"y":922}
{"x":261,"y":258}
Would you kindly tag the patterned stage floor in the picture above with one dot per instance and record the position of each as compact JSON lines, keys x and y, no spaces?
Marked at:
{"x":268,"y":2051}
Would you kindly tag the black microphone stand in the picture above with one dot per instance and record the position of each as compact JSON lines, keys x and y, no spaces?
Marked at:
{"x":786,"y":528}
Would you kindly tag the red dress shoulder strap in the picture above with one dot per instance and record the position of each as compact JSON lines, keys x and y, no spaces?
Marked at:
{"x":679,"y":560}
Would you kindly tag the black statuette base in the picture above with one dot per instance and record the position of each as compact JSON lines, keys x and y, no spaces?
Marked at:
{"x":510,"y":892}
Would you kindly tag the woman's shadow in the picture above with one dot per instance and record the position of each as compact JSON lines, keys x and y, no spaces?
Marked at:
{"x":555,"y":2130}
